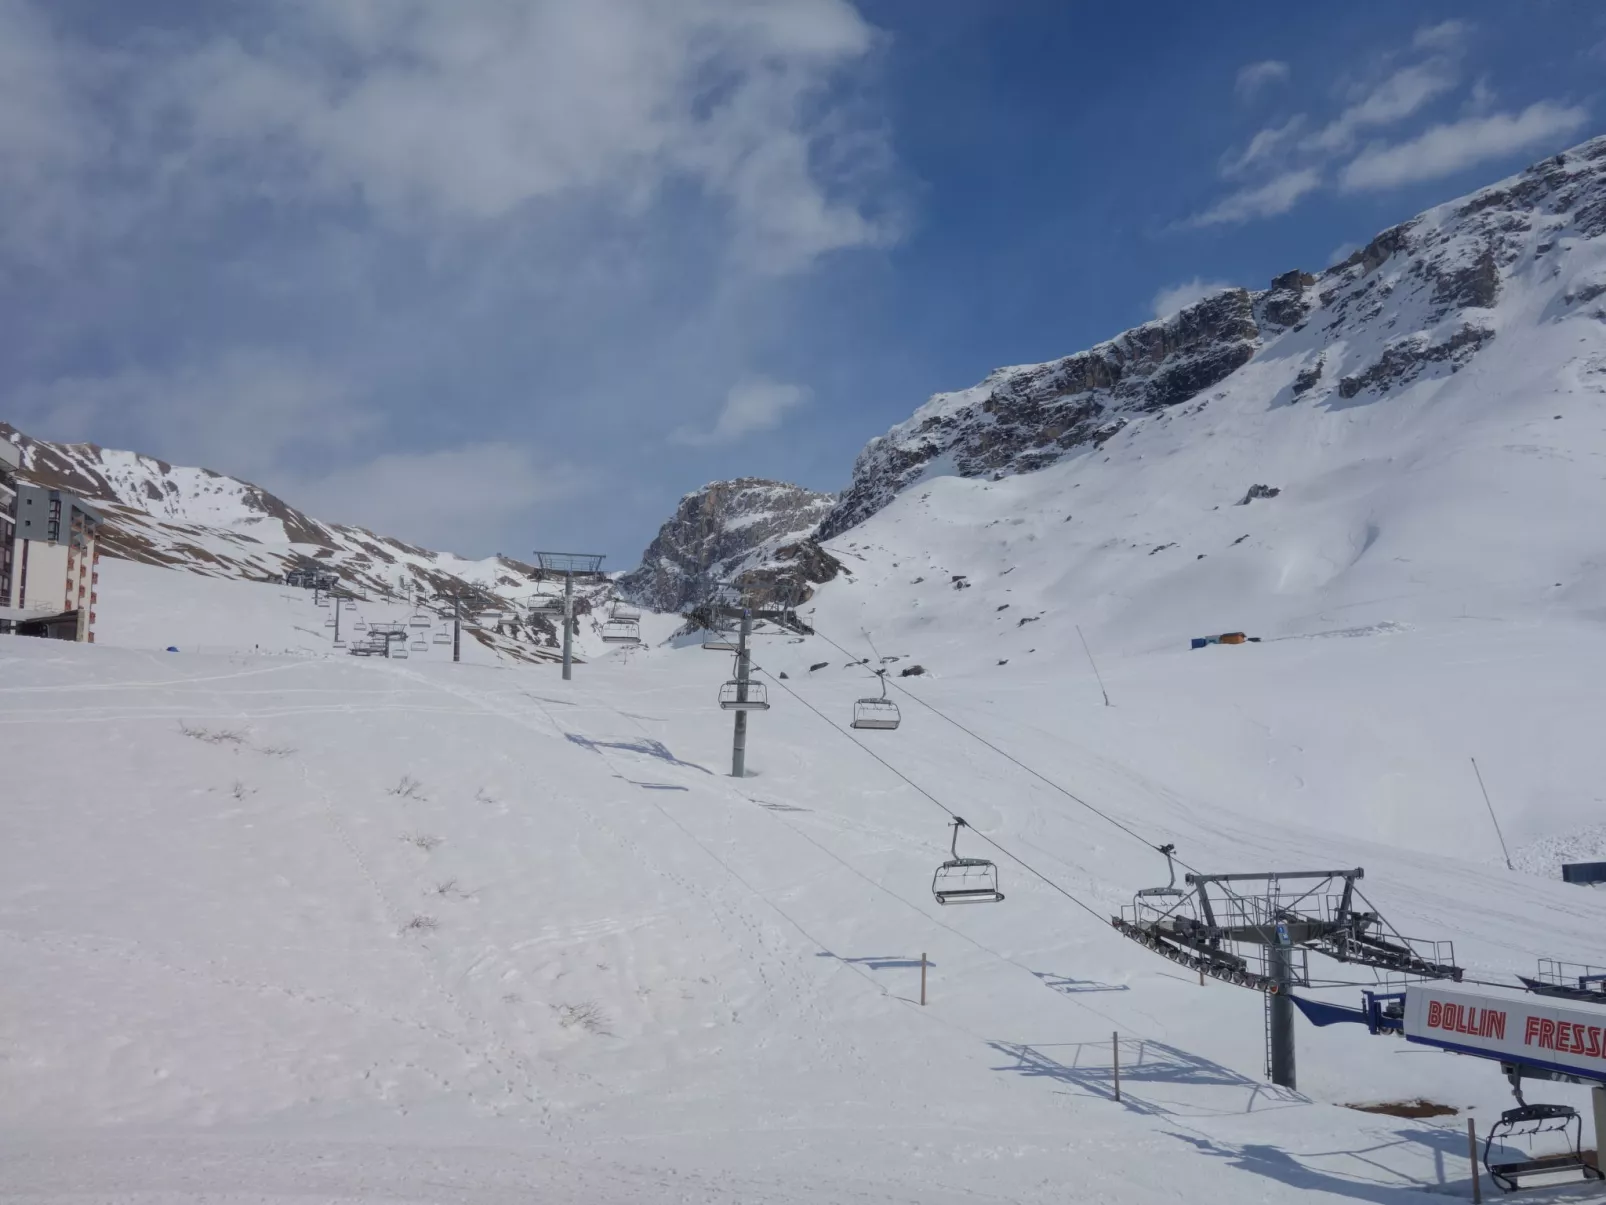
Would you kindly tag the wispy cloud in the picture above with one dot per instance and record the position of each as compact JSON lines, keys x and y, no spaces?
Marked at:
{"x":1392,"y":99}
{"x":1177,"y":297}
{"x":1252,"y":77}
{"x":1277,"y":195}
{"x":750,"y":406}
{"x":1285,"y":162}
{"x":1442,"y":150}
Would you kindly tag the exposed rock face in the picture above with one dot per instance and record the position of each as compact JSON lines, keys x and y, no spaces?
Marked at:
{"x":751,"y":531}
{"x":1020,"y":419}
{"x":1412,"y":305}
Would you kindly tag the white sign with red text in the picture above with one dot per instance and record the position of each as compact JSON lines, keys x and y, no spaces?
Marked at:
{"x":1565,"y":1035}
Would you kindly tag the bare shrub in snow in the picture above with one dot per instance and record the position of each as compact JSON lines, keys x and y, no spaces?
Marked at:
{"x":423,"y":841}
{"x":275,"y":750}
{"x":212,"y":736}
{"x":421,"y":924}
{"x":483,"y":796}
{"x":239,"y":790}
{"x":407,"y":788}
{"x":586,"y":1015}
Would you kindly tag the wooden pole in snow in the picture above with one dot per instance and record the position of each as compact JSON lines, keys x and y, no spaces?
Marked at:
{"x":922,"y":978}
{"x":1115,"y":1046}
{"x":1472,"y":1157}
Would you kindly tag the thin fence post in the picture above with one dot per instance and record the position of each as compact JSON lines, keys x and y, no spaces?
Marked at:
{"x":1115,"y":1046}
{"x":1472,"y":1157}
{"x":922,"y":979}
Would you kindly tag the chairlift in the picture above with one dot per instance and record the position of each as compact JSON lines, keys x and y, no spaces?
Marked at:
{"x":1527,"y":1122}
{"x":621,"y":631}
{"x":329,"y":621}
{"x":720,"y":641}
{"x":418,"y":620}
{"x":361,"y":625}
{"x":731,"y":696}
{"x":623,"y":610}
{"x":340,"y":644}
{"x":398,"y":651}
{"x":419,"y":645}
{"x":965,"y":880}
{"x":874,"y":712}
{"x":443,"y":637}
{"x":351,"y":604}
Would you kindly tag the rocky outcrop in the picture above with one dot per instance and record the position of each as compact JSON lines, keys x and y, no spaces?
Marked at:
{"x":1021,"y":419}
{"x":1409,"y":307}
{"x":750,"y":531}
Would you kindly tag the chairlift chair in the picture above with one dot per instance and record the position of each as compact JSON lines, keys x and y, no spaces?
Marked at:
{"x":874,"y":712}
{"x":329,"y":621}
{"x":718,"y":641}
{"x":361,"y":625}
{"x":398,"y":651}
{"x":621,"y":631}
{"x":443,"y":637}
{"x":351,"y":604}
{"x":419,"y":645}
{"x":965,"y":880}
{"x":1528,"y":1121}
{"x":340,"y":644}
{"x":730,"y":696}
{"x":418,"y":620}
{"x":623,"y":610}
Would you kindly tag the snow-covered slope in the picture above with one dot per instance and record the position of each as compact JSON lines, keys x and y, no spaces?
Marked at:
{"x":749,"y":530}
{"x":207,"y":523}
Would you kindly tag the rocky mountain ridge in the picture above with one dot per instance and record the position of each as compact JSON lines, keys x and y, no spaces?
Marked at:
{"x":1417,"y":301}
{"x":750,"y":530}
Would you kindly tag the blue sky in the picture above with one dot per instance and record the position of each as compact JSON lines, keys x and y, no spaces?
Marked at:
{"x":503,"y":274}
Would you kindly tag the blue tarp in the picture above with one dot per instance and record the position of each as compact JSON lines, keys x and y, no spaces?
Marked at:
{"x":1319,"y":1013}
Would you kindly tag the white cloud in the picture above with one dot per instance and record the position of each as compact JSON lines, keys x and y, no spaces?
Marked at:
{"x":440,"y":499}
{"x":1391,"y":100}
{"x":469,"y":113}
{"x":1255,"y":76}
{"x":753,"y":405}
{"x":1277,"y":195}
{"x":1446,"y":37}
{"x":1266,"y":145}
{"x":1174,"y":298}
{"x":1442,"y":150}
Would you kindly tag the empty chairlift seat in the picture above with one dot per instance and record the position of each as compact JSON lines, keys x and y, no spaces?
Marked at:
{"x":732,"y":698}
{"x":1526,"y":1122}
{"x":443,"y":637}
{"x":965,"y":880}
{"x":622,"y":631}
{"x":420,"y":620}
{"x":877,"y":711}
{"x":718,"y":641}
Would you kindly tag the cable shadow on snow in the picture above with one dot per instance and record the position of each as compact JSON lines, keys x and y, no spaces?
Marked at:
{"x":1088,"y":1065}
{"x":879,"y":962}
{"x":643,"y":744}
{"x":1277,"y":1164}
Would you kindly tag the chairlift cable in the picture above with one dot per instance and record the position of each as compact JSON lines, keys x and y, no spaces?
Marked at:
{"x":1008,"y":756}
{"x":952,"y":815}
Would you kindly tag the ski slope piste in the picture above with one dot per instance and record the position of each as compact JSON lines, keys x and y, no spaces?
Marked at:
{"x":305,"y":926}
